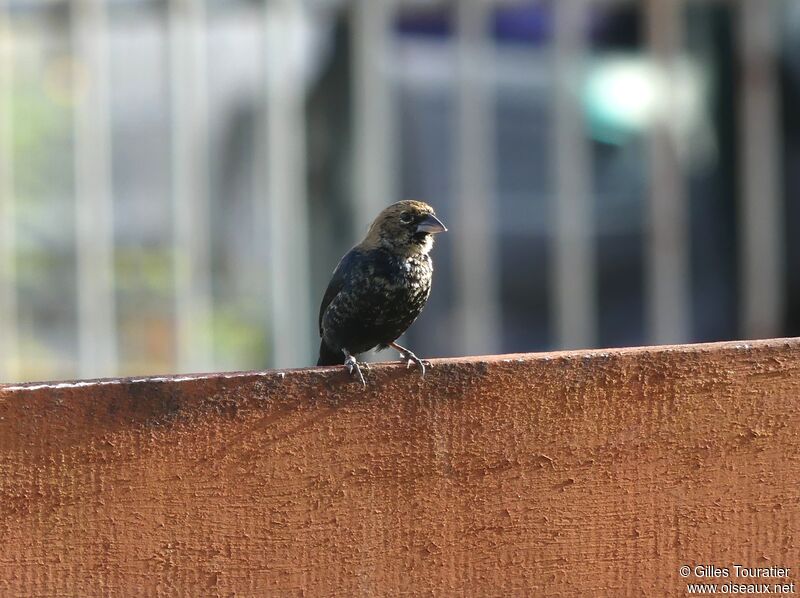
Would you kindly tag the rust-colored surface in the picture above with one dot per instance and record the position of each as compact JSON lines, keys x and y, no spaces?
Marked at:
{"x":574,"y":474}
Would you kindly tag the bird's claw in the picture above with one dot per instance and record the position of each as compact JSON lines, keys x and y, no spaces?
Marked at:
{"x":352,"y":365}
{"x":414,"y":360}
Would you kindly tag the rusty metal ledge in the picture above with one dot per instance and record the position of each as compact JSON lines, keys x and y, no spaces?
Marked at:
{"x":580,"y":473}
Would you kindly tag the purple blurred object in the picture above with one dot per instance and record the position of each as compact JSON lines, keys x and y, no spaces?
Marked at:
{"x":526,"y":23}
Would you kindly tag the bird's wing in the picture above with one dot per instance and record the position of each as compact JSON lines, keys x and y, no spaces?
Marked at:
{"x":345,"y":268}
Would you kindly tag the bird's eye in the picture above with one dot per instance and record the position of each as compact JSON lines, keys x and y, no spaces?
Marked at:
{"x":405,"y":218}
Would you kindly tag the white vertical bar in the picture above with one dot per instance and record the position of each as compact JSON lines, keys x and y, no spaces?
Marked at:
{"x":9,"y":331}
{"x":574,"y":294}
{"x":373,"y":110}
{"x":667,"y":270}
{"x":474,"y":225}
{"x":93,"y":189}
{"x":762,"y":263}
{"x":190,"y":185}
{"x":290,"y":277}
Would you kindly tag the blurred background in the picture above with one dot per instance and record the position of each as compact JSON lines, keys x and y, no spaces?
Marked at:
{"x":178,"y":178}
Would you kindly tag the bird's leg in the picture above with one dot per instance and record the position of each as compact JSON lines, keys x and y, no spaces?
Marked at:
{"x":410,"y":357}
{"x":352,"y":365}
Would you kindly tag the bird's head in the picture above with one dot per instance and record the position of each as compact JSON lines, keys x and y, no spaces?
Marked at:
{"x":406,"y":227}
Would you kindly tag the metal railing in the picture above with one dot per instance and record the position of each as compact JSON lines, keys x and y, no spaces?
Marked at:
{"x":281,"y":209}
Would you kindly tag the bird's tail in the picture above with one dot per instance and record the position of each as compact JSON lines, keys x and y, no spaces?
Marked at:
{"x":328,"y":356}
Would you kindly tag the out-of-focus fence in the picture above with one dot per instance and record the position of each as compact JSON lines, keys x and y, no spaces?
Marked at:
{"x":277,"y":269}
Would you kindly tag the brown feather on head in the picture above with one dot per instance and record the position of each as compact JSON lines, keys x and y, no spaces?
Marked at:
{"x":406,"y":227}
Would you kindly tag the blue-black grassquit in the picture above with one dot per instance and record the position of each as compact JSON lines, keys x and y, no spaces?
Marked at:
{"x":379,"y":287}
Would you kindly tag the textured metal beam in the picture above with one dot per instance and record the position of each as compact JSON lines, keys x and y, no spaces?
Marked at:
{"x":591,"y":473}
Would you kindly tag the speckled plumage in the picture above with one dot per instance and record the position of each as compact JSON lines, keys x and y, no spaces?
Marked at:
{"x":381,"y":285}
{"x":380,"y":297}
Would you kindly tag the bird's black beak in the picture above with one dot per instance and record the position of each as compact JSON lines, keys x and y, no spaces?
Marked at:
{"x":431,"y":224}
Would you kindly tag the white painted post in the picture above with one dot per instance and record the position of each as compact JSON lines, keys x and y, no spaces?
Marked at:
{"x":93,"y":190}
{"x":574,"y":294}
{"x":761,"y":215}
{"x":668,"y":294}
{"x":474,"y":226}
{"x":289,"y":271}
{"x":9,"y":328}
{"x":373,"y":110}
{"x":190,"y":185}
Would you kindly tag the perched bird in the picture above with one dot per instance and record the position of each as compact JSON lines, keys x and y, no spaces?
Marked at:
{"x":379,"y":287}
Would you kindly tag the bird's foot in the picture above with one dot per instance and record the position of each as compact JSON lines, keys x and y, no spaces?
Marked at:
{"x":352,"y":366}
{"x":412,"y":359}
